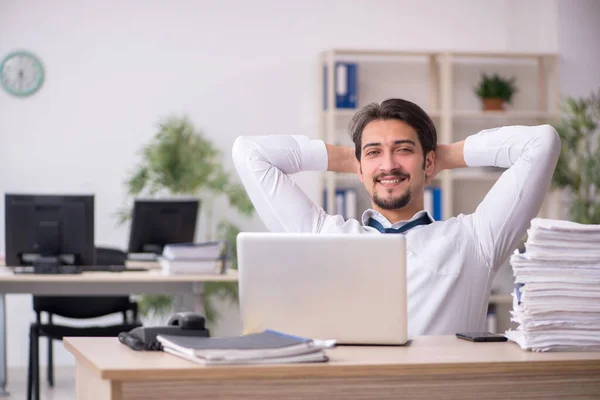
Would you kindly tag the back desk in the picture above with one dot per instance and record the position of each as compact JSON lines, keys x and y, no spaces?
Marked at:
{"x":99,"y":283}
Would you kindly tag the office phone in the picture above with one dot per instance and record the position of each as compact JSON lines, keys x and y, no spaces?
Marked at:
{"x":180,"y":324}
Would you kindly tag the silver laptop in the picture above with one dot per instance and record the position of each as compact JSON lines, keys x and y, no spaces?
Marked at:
{"x":348,"y":287}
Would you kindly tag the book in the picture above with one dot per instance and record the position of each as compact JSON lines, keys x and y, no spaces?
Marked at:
{"x":246,"y":348}
{"x":319,"y":356}
{"x":172,"y":267}
{"x":195,"y":258}
{"x":197,"y":251}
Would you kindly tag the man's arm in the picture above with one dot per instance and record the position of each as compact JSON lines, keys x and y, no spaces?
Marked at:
{"x":264,"y":164}
{"x":530,"y":154}
{"x":448,"y":156}
{"x":341,"y":159}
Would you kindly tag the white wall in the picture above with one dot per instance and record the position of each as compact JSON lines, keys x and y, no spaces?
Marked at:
{"x":579,"y":45}
{"x":235,"y":67}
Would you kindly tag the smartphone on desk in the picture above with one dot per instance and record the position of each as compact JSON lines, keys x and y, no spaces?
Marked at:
{"x":481,"y":337}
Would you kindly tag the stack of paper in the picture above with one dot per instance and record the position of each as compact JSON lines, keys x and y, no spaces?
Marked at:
{"x":268,"y":347}
{"x":557,"y":298}
{"x":195,"y":258}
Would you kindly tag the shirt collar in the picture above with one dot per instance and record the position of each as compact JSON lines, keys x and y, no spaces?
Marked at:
{"x":370,"y":213}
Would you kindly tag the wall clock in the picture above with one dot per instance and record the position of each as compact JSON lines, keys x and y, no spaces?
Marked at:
{"x":21,"y":73}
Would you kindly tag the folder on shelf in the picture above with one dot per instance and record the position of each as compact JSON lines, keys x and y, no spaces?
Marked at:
{"x":432,"y":200}
{"x":345,"y":203}
{"x":345,"y":85}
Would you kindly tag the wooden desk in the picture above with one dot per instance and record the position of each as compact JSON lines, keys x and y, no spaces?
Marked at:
{"x":97,"y":283}
{"x":430,"y":367}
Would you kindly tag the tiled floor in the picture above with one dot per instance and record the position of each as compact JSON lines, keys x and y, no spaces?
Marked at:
{"x":64,"y":384}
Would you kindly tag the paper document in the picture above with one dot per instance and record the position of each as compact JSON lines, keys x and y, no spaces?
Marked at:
{"x":556,"y":302}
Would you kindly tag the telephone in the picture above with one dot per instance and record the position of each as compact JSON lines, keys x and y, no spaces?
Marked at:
{"x":180,"y":324}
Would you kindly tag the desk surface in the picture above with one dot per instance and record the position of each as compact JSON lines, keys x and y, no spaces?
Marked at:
{"x":424,"y":355}
{"x":7,"y":276}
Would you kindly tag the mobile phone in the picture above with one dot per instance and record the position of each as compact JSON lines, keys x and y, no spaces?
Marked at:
{"x":481,"y":337}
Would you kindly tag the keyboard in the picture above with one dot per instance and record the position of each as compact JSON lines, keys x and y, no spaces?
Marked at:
{"x":110,"y":268}
{"x":78,"y":269}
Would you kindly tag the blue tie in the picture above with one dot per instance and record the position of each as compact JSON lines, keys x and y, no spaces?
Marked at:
{"x":422,"y":220}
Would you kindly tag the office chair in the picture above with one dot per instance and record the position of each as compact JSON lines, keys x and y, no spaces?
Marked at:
{"x":78,"y":307}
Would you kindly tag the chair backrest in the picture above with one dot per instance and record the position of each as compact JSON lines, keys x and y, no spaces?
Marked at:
{"x":87,"y":306}
{"x":108,"y":256}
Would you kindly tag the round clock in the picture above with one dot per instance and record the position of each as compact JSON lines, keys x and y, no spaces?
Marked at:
{"x":21,"y":73}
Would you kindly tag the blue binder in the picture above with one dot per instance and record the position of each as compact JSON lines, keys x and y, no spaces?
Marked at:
{"x":433,"y":202}
{"x":346,"y":85}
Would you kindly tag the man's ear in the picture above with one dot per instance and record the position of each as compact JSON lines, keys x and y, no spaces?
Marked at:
{"x":359,"y":168}
{"x":429,"y":163}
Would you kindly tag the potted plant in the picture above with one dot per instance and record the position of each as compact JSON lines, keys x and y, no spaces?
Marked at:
{"x":578,"y":167}
{"x":495,"y":90}
{"x":180,"y":161}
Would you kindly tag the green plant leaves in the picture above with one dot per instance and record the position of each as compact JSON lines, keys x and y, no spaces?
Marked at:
{"x":137,"y":181}
{"x":239,"y":199}
{"x":223,"y":290}
{"x":159,"y":305}
{"x":496,"y":86}
{"x":180,"y":160}
{"x":578,"y":167}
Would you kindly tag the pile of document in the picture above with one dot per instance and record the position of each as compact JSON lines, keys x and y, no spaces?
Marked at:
{"x":268,"y":347}
{"x":195,"y":258}
{"x":557,"y":297}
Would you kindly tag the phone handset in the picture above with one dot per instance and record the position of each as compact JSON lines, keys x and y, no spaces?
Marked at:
{"x":180,"y":324}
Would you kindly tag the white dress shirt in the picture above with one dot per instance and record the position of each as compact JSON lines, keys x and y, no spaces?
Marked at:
{"x":451,"y":263}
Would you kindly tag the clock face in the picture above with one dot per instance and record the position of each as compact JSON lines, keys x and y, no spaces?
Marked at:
{"x":21,"y":73}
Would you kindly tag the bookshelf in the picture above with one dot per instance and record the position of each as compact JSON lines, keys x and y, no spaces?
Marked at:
{"x":442,"y":84}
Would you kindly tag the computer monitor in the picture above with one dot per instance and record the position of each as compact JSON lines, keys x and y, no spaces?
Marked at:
{"x":156,"y":223}
{"x":56,"y":229}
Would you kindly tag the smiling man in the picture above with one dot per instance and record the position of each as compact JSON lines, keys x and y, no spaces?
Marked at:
{"x":451,"y":263}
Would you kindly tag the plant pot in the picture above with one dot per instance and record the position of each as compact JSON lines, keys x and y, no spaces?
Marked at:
{"x":493,"y":104}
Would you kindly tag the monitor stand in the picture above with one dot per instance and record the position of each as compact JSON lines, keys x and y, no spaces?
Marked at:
{"x":46,"y":265}
{"x":49,"y":265}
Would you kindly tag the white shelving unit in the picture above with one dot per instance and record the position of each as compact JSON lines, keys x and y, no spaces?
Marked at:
{"x":442,"y":107}
{"x":447,"y":94}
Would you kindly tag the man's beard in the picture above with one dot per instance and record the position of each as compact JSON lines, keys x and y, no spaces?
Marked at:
{"x":393,"y":203}
{"x":396,"y":202}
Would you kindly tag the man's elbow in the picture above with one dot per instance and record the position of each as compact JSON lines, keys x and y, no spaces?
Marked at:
{"x":240,"y":150}
{"x":248,"y":154}
{"x":549,"y":141}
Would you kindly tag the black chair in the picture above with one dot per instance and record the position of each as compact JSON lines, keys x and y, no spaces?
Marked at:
{"x":79,"y":307}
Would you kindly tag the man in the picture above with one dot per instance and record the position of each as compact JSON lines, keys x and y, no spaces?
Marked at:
{"x":451,"y":264}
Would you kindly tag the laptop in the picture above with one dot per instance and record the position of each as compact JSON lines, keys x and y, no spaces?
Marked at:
{"x":347,"y":287}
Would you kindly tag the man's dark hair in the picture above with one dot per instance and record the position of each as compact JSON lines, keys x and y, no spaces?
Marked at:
{"x":401,"y":110}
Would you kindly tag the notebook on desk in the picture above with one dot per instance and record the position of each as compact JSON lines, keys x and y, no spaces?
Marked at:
{"x":347,"y":287}
{"x":267,"y":347}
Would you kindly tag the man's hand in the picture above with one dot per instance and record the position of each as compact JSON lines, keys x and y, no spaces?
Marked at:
{"x":341,"y":159}
{"x":448,"y":156}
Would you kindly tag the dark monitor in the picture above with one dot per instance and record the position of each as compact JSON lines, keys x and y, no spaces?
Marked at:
{"x":156,"y":223}
{"x":56,"y":229}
